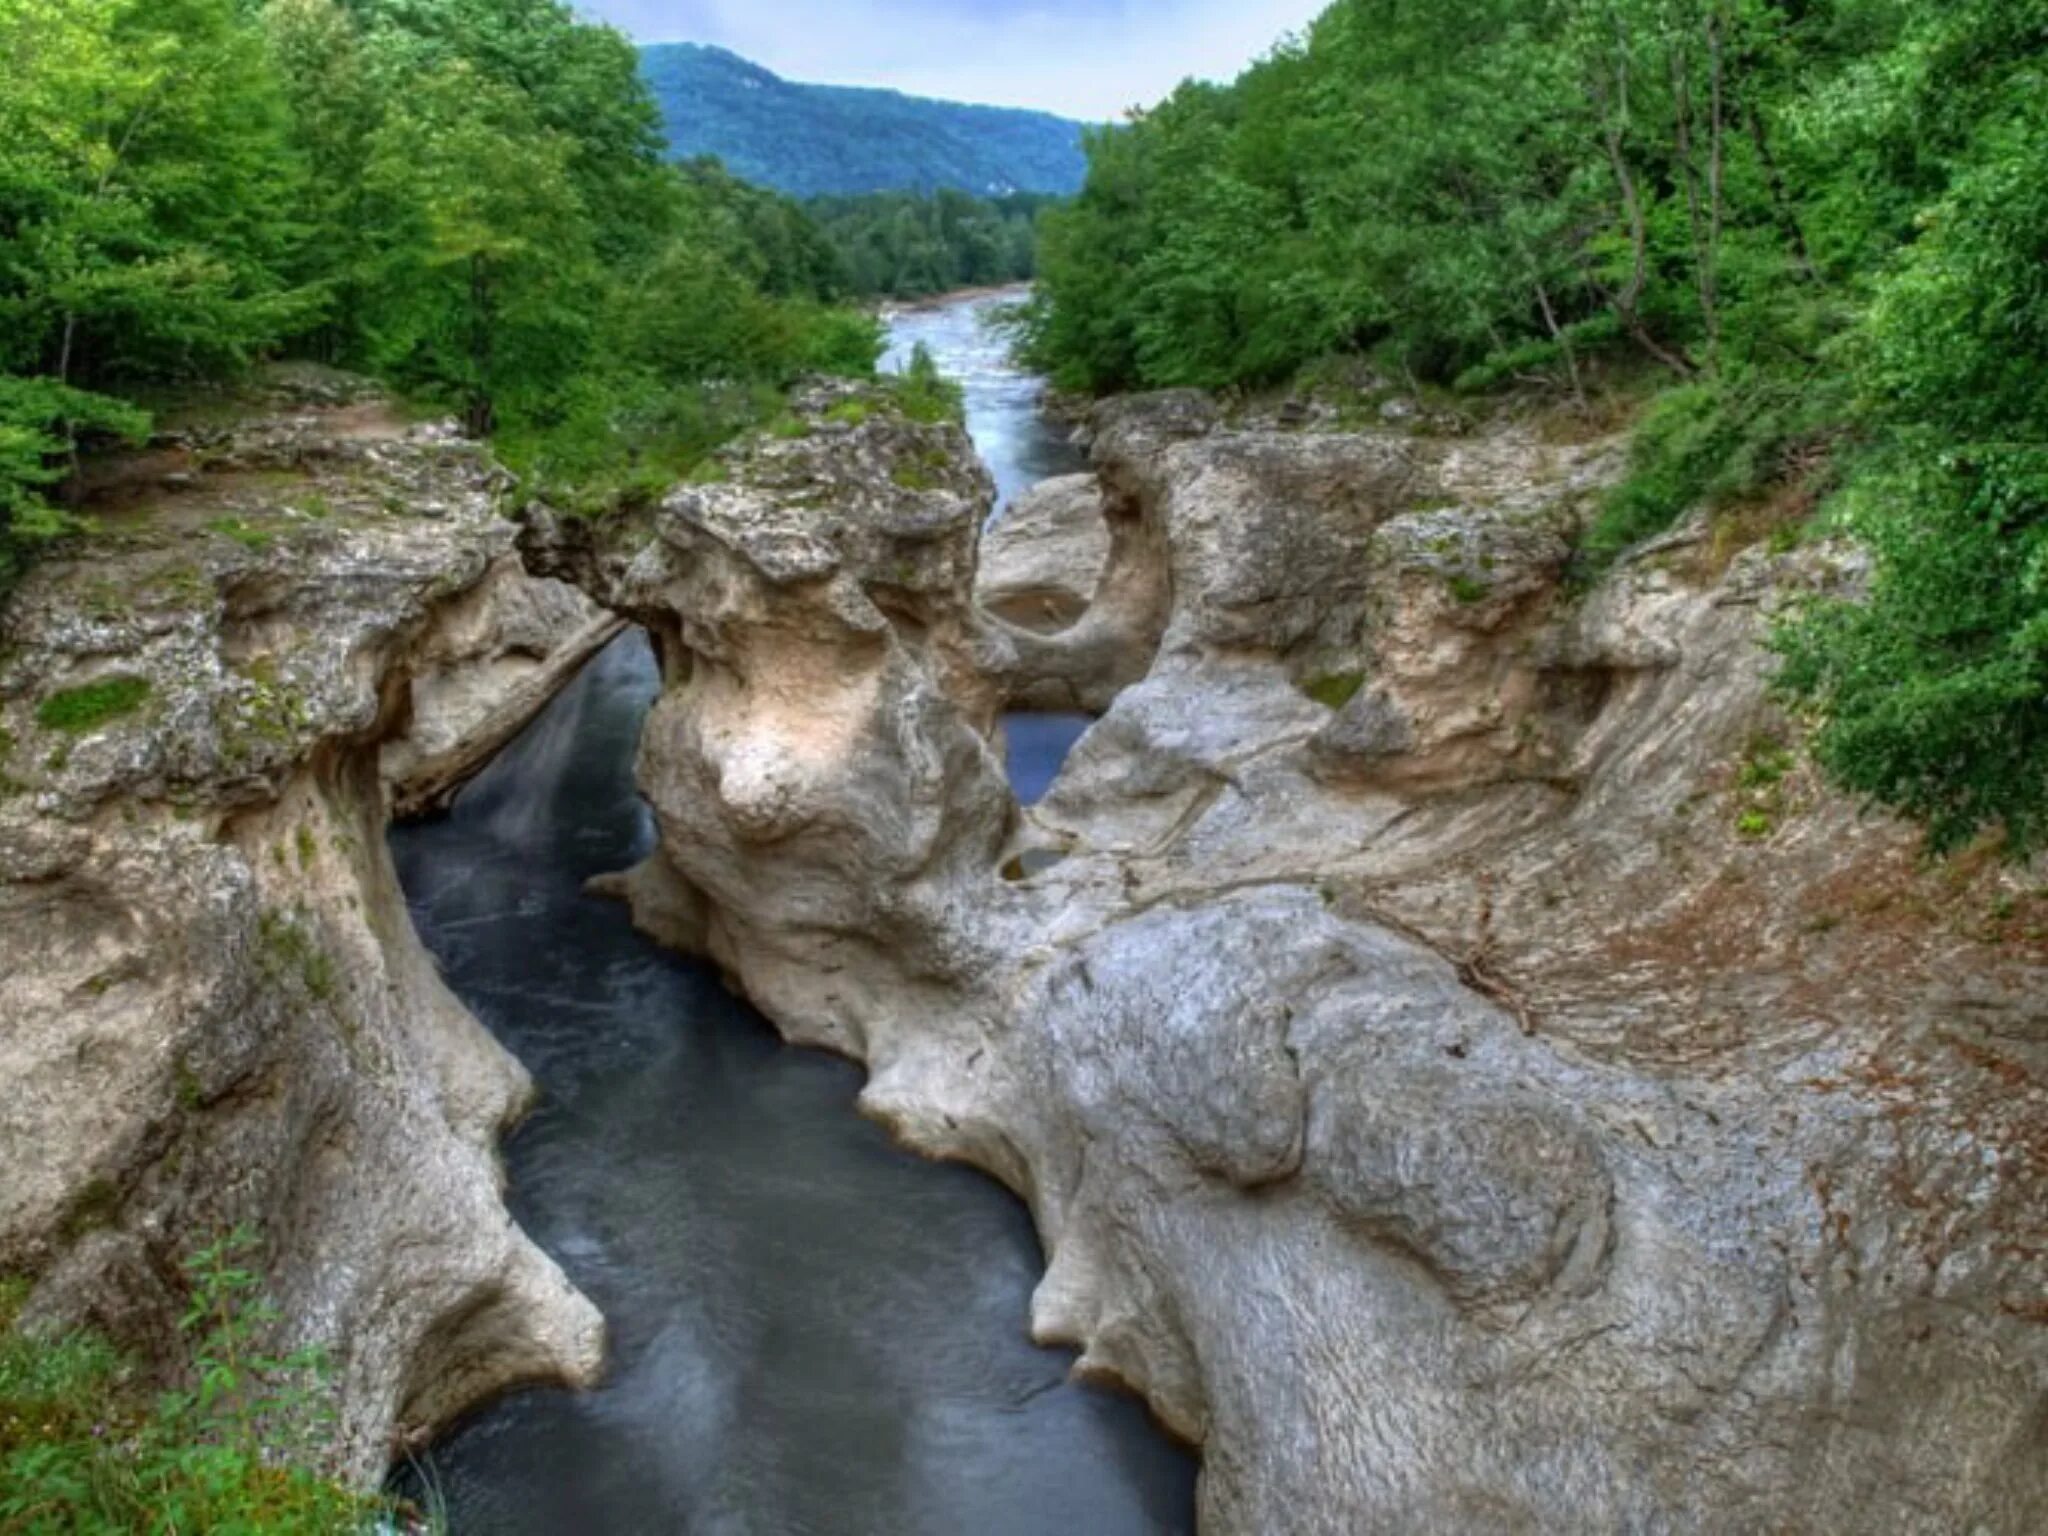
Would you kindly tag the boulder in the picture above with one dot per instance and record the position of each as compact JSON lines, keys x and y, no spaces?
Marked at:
{"x":1043,"y":559}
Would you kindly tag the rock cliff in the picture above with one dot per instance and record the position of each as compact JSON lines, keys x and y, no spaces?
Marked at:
{"x":215,"y":1011}
{"x":1466,"y":1074}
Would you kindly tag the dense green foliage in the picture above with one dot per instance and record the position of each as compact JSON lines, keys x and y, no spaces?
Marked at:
{"x":1821,"y":224}
{"x":818,"y":140}
{"x":467,"y":197}
{"x":908,"y":245}
{"x":84,"y":1451}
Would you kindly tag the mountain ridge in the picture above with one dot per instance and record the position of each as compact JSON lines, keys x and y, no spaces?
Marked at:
{"x":825,"y":140}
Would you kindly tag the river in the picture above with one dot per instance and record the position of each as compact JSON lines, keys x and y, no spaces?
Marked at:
{"x":813,"y":1333}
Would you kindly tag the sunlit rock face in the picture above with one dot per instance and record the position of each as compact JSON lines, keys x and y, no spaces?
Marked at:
{"x":1463,"y":1077}
{"x":215,"y":1012}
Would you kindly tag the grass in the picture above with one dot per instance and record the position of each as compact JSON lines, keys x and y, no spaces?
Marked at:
{"x":76,"y":711}
{"x":292,"y":951}
{"x":925,"y":472}
{"x":925,"y":394}
{"x":87,"y":1449}
{"x":244,"y":534}
{"x":1469,"y":590}
{"x":1760,"y":788}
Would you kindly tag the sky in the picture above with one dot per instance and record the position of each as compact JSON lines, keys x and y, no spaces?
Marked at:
{"x":1089,"y":59}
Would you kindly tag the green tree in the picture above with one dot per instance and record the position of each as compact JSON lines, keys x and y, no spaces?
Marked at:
{"x":145,"y":185}
{"x":484,"y":277}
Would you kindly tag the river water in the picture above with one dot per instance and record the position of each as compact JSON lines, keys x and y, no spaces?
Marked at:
{"x":813,"y":1333}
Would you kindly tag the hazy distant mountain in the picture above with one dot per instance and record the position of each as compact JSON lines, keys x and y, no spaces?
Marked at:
{"x":810,"y":140}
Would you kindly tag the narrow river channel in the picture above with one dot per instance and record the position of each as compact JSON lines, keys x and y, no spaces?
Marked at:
{"x":813,"y":1333}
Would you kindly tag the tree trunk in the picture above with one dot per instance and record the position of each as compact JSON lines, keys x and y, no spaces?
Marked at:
{"x":1717,"y":175}
{"x":1781,"y":197}
{"x":1564,"y":344}
{"x":1695,"y":211}
{"x":1626,"y":304}
{"x":481,"y":417}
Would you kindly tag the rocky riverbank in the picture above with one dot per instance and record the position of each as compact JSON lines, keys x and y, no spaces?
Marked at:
{"x":216,"y":1013}
{"x":1465,"y":1072}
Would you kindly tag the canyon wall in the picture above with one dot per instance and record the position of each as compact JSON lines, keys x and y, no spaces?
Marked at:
{"x":216,"y":1014}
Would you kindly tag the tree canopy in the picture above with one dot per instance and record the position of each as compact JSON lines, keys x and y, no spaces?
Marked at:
{"x":469,"y":198}
{"x":1819,"y":223}
{"x":910,"y":245}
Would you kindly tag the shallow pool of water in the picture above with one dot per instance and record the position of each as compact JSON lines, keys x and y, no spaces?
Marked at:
{"x":1038,"y":749}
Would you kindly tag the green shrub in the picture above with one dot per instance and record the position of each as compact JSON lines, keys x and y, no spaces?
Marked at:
{"x":41,"y":422}
{"x":1707,"y":445}
{"x":85,"y":1451}
{"x":245,"y":534}
{"x":1933,"y":693}
{"x":925,"y":394}
{"x":75,"y":711}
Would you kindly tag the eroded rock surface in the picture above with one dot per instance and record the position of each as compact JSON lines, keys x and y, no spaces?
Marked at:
{"x":213,"y":1010}
{"x":493,"y":660}
{"x":1467,"y":1076}
{"x":1044,"y":558}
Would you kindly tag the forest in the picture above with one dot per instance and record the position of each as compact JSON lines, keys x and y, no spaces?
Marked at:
{"x":1800,"y":242}
{"x":187,"y":185}
{"x":910,"y":245}
{"x":836,"y":141}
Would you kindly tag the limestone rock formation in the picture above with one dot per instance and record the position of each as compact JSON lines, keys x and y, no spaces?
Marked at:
{"x":213,"y":1010}
{"x":1466,"y":1075}
{"x":1043,"y":559}
{"x":494,"y":659}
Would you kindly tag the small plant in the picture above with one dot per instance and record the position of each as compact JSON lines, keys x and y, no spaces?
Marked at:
{"x":76,"y":711}
{"x":1767,"y":764}
{"x":925,"y":472}
{"x":1336,"y":689}
{"x":853,"y":412}
{"x":84,"y":1451}
{"x":1760,"y":787}
{"x":291,"y":951}
{"x":1469,"y":590}
{"x":925,"y":394}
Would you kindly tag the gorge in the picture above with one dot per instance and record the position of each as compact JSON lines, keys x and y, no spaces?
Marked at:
{"x":1432,"y":1098}
{"x":1373,"y":863}
{"x":810,"y":1331}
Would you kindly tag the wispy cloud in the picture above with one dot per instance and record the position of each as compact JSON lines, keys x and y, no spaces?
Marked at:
{"x":1086,"y":58}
